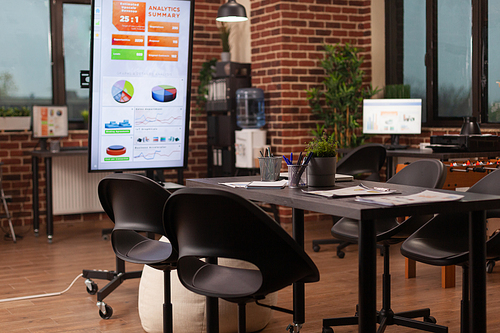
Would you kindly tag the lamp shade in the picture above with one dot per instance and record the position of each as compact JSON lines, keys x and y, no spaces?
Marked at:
{"x":231,"y":12}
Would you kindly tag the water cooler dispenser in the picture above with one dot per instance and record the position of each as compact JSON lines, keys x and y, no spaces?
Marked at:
{"x":250,"y":117}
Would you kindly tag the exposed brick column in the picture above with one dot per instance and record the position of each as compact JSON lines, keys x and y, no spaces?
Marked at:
{"x":287,"y":39}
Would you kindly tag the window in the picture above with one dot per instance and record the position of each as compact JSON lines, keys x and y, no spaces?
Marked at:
{"x":441,"y":49}
{"x":38,"y":69}
{"x":25,"y":69}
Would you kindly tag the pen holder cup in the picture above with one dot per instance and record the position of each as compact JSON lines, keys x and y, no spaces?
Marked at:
{"x":297,"y":176}
{"x":270,"y":168}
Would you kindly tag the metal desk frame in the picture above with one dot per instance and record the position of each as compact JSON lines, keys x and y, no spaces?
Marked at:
{"x":476,"y":204}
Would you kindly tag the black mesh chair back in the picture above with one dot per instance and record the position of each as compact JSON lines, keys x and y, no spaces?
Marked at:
{"x":365,"y":159}
{"x":135,"y":204}
{"x":219,"y":224}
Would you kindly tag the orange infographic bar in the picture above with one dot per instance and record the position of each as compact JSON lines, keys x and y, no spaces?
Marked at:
{"x":156,"y":55}
{"x":130,"y":40}
{"x":163,"y":41}
{"x":170,"y":27}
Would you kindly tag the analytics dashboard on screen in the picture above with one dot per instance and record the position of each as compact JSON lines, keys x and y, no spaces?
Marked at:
{"x":140,"y":84}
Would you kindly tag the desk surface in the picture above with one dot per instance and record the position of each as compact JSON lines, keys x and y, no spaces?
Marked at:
{"x":61,"y":152}
{"x":347,"y":207}
{"x":440,"y":155}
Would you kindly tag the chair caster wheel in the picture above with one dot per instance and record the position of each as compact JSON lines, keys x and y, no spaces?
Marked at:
{"x":489,"y":266}
{"x":430,"y":319}
{"x":108,"y":314}
{"x":327,"y":330}
{"x":91,"y":287}
{"x":340,"y":254}
{"x":316,"y":248}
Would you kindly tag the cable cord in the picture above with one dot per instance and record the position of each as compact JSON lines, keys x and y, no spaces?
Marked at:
{"x":41,"y":295}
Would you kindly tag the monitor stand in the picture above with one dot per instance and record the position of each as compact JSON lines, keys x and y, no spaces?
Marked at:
{"x":395,"y":143}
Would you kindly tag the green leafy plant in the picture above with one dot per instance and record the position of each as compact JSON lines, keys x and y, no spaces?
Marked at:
{"x":14,"y":111}
{"x":323,"y":146}
{"x":397,"y":91}
{"x":207,"y":72}
{"x":339,"y":104}
{"x":224,"y":31}
{"x":85,"y":115}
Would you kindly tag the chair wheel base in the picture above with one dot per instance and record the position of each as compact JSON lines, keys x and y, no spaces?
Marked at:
{"x":327,"y":330}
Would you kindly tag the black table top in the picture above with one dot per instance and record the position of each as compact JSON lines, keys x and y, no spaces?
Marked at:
{"x":420,"y":153}
{"x":348,"y":207}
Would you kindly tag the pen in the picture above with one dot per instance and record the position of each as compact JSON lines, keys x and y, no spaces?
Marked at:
{"x":287,"y":161}
{"x":291,"y":158}
{"x":260,"y":151}
{"x":308,"y":158}
{"x":269,"y":152}
{"x":300,"y":157}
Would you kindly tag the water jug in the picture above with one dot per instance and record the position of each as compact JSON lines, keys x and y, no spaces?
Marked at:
{"x":250,"y":108}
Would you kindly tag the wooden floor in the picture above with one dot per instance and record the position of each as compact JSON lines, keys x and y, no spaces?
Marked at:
{"x":32,"y":266}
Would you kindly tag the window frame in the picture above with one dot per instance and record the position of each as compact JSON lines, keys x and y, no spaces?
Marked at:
{"x":394,"y":55}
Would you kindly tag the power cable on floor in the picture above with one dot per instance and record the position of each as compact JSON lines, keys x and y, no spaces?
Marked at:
{"x":41,"y":295}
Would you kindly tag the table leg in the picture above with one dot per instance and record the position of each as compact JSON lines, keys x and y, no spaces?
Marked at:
{"x":477,"y":273}
{"x":34,"y":179}
{"x":212,"y":306}
{"x":298,"y":288}
{"x":367,"y":289}
{"x":48,"y":191}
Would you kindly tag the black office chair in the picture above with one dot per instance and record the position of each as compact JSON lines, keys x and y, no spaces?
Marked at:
{"x":426,"y":173}
{"x":444,"y":240}
{"x":362,"y":162}
{"x":218,"y":224}
{"x":135,"y":204}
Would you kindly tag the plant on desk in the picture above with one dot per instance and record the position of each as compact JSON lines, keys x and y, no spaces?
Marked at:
{"x":339,"y":104}
{"x":321,"y":168}
{"x":15,"y":118}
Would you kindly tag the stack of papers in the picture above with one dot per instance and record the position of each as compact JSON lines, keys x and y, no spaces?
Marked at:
{"x":424,"y":196}
{"x":352,"y":191}
{"x":258,"y":184}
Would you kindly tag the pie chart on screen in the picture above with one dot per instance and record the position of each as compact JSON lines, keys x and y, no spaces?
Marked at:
{"x":122,"y":91}
{"x":164,"y":93}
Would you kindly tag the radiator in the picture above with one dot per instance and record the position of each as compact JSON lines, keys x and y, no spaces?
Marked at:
{"x":74,"y":190}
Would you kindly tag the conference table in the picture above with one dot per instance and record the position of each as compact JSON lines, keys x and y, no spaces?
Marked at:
{"x":366,"y":213}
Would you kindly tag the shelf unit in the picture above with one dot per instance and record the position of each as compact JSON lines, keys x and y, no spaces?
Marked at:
{"x":221,"y":116}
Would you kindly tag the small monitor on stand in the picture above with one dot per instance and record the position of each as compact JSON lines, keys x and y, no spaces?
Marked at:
{"x":392,"y":116}
{"x":49,"y":122}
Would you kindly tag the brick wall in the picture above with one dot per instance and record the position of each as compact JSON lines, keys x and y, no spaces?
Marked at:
{"x":287,"y":39}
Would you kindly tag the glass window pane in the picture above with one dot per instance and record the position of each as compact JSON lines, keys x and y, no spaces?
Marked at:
{"x":454,"y":58}
{"x":76,"y":33}
{"x":493,"y":61}
{"x":25,"y":69}
{"x":414,"y":50}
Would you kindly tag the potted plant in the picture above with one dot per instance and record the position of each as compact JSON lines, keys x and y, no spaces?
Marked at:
{"x":339,"y":104}
{"x":321,"y":168}
{"x":15,"y":118}
{"x":207,"y":72}
{"x":224,"y":31}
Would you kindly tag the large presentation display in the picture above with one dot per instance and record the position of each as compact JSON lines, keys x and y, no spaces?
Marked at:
{"x":140,"y":84}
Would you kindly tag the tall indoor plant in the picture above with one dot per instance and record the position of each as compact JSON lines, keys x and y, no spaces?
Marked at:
{"x":339,"y":103}
{"x":224,"y":32}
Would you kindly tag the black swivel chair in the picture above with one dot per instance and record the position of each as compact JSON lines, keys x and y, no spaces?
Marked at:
{"x":426,"y":173}
{"x":444,"y":241}
{"x":364,"y":161}
{"x":209,"y":223}
{"x":135,"y":204}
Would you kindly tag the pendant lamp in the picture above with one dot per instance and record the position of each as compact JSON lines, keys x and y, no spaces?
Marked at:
{"x":231,"y":12}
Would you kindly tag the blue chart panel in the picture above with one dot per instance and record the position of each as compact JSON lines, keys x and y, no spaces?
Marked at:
{"x":164,"y":93}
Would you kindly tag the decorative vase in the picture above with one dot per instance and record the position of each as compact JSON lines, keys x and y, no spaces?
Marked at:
{"x":225,"y":57}
{"x":321,"y":172}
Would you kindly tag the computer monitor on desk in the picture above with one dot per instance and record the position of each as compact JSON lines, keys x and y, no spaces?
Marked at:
{"x":392,"y":116}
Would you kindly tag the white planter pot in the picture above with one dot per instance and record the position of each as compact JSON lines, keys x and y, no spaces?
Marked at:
{"x":15,"y":123}
{"x":225,"y":57}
